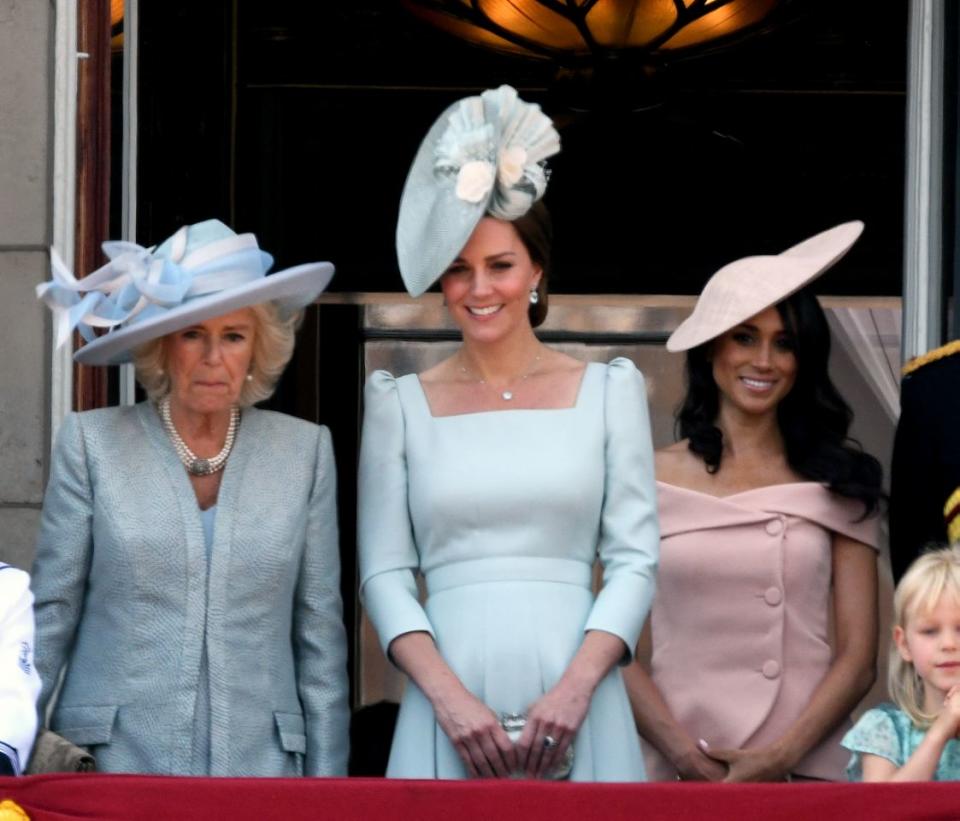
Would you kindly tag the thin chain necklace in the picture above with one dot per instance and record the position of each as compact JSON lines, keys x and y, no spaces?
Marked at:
{"x":506,"y":394}
{"x":197,"y":465}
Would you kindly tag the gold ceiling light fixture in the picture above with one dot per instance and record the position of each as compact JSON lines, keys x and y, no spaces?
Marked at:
{"x":116,"y":25}
{"x":116,"y":12}
{"x":572,"y":32}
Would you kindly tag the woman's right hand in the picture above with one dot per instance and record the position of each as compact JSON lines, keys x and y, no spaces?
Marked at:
{"x":476,"y":734}
{"x":696,"y":765}
{"x":471,"y":726}
{"x":661,"y":729}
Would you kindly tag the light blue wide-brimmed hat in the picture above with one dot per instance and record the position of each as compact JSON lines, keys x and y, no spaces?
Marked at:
{"x":202,"y":271}
{"x":484,"y":156}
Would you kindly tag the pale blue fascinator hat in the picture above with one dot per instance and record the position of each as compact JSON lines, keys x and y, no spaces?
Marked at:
{"x":202,"y":271}
{"x":484,"y":156}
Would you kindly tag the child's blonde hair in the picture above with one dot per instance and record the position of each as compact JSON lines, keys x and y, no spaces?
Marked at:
{"x":934,"y":574}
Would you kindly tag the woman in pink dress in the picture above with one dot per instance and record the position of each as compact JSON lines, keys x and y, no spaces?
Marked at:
{"x":768,"y":526}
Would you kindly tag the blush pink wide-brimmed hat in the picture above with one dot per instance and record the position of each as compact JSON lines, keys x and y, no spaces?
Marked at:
{"x":750,"y":285}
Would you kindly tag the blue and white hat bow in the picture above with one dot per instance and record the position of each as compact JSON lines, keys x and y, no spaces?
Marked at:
{"x":484,"y":156}
{"x":203,"y":270}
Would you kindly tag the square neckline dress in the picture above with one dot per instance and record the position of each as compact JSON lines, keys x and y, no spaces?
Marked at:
{"x":504,"y":512}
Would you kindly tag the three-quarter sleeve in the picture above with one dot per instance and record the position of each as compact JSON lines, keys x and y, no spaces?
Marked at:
{"x":318,"y":632}
{"x":388,"y":553}
{"x":62,"y":561}
{"x":629,"y":534}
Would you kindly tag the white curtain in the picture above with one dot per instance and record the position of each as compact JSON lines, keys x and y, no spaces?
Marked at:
{"x":871,"y":338}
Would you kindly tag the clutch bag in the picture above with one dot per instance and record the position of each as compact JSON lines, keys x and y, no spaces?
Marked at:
{"x":513,"y":724}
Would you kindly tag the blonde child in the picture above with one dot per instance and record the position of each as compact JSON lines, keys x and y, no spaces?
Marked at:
{"x":916,"y":739}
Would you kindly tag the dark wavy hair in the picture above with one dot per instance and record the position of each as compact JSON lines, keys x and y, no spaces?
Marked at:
{"x":814,"y":418}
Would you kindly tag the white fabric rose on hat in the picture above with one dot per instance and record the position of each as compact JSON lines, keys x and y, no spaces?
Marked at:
{"x":475,"y":181}
{"x":510,"y":165}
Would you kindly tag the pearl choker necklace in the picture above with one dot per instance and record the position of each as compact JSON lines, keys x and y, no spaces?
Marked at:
{"x":506,"y":394}
{"x":197,"y":465}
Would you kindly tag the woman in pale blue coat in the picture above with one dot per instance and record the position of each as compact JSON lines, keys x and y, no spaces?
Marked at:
{"x":501,"y":474}
{"x":187,"y":568}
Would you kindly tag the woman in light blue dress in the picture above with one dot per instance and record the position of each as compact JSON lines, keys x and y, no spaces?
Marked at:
{"x":500,"y":475}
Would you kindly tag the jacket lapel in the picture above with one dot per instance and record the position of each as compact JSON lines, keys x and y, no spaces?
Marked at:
{"x":195,"y":580}
{"x":228,"y":500}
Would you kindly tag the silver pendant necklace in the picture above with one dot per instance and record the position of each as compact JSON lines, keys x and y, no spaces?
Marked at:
{"x":197,"y":465}
{"x":506,"y":394}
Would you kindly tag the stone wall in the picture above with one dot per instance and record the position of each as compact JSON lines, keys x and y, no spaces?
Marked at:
{"x":26,"y":138}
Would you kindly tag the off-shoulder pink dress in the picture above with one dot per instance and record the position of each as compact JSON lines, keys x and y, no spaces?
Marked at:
{"x":741,"y":617}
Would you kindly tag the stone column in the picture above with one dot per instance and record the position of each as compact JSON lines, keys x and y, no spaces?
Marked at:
{"x":26,"y":128}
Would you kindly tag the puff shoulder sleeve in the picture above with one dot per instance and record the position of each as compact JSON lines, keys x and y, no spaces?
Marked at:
{"x":629,"y":534}
{"x":388,"y":553}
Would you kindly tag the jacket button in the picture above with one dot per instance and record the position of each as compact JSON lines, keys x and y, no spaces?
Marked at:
{"x":771,"y":669}
{"x":773,"y":596}
{"x":774,"y":527}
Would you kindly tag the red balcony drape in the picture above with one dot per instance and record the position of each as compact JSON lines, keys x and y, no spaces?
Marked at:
{"x":132,"y":797}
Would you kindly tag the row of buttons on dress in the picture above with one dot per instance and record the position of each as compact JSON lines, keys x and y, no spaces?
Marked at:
{"x":773,"y":596}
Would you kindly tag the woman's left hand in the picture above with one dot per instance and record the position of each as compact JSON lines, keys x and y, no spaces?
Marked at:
{"x":554,"y":717}
{"x":761,"y":764}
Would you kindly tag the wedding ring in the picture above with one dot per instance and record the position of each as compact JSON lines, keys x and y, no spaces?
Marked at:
{"x":549,"y":742}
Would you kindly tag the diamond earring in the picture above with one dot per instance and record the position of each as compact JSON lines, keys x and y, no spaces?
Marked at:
{"x":534,"y":297}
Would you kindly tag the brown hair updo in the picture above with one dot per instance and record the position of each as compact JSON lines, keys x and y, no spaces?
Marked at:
{"x":535,"y":230}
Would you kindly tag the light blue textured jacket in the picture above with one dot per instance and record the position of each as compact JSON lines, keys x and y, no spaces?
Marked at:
{"x":121,"y":582}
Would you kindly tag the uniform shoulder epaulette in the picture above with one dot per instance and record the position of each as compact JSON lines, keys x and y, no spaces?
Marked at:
{"x":930,"y":356}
